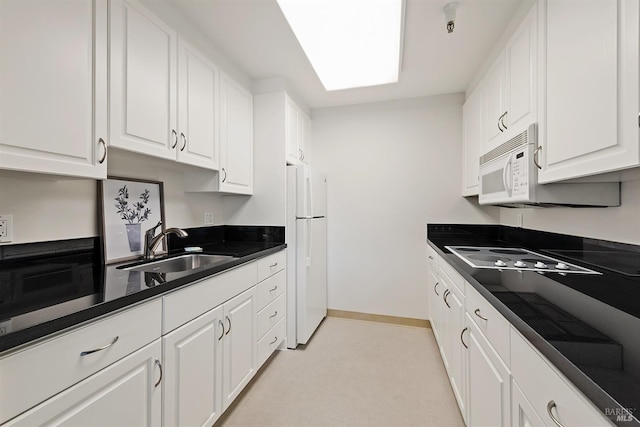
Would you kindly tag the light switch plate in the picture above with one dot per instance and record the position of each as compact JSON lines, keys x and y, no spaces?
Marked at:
{"x":6,"y":228}
{"x":208,"y":218}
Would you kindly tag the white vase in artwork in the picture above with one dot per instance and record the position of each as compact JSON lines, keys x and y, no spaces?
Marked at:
{"x":135,"y":236}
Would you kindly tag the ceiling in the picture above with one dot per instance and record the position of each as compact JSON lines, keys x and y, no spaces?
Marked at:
{"x":255,"y":35}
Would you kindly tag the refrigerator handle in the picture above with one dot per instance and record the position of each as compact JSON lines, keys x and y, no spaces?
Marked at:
{"x":310,"y":242}
{"x":310,"y":191}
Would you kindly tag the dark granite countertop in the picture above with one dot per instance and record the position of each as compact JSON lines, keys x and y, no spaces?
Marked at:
{"x":567,"y":318}
{"x":51,"y":286}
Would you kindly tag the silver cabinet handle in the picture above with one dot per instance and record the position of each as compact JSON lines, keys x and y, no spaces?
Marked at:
{"x":477,"y":313}
{"x":461,"y":334}
{"x":159,"y":365}
{"x":184,"y":141}
{"x":225,"y":175}
{"x":502,"y":120}
{"x":550,"y":407}
{"x":273,"y":315}
{"x":273,"y":265}
{"x":500,"y":123}
{"x":222,"y":331}
{"x":430,"y":257}
{"x":300,"y":154}
{"x":445,"y":295}
{"x":274,"y":341}
{"x":95,"y":350}
{"x":535,"y":157}
{"x":175,"y":138}
{"x":104,"y":153}
{"x":228,"y":330}
{"x":275,"y":288}
{"x":435,"y":288}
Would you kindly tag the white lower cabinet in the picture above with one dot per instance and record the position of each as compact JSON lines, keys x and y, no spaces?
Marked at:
{"x":488,"y":380}
{"x":193,"y":371}
{"x":549,"y":396}
{"x":239,"y":348}
{"x":127,"y":393}
{"x":498,"y":378}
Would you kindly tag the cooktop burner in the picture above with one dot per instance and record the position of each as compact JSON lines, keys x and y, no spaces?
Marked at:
{"x":514,"y":259}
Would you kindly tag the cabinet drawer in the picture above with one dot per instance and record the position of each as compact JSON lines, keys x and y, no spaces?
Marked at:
{"x":432,"y":257}
{"x":271,"y":264}
{"x":190,"y":302}
{"x":541,"y":383}
{"x":270,"y":289}
{"x":270,"y":315}
{"x":40,"y":371}
{"x":448,"y":272}
{"x":490,"y":322}
{"x":270,"y":342}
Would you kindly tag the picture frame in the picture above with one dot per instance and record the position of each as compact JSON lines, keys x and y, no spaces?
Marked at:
{"x":127,"y":207}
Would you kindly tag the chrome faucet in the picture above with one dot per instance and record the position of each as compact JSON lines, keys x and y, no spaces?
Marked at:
{"x":151,"y":241}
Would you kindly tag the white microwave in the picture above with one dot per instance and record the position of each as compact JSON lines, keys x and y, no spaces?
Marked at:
{"x":509,"y":177}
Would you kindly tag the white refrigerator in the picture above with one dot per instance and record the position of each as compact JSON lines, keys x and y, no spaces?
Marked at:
{"x":306,"y":238}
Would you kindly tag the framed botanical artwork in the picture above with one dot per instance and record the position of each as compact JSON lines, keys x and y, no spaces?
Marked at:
{"x":127,"y":208}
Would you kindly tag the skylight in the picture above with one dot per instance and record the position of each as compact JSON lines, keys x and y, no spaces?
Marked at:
{"x":350,"y":43}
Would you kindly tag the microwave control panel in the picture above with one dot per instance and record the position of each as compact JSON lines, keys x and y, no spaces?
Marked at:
{"x":520,"y":173}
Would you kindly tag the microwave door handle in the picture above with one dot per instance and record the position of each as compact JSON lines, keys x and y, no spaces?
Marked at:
{"x":506,"y":177}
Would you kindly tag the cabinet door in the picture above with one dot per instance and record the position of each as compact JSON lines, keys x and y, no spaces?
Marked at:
{"x":53,"y":81}
{"x":522,"y":413}
{"x":127,"y":393}
{"x":458,"y":355}
{"x":236,"y":163}
{"x":521,"y":56}
{"x":494,"y":109}
{"x":240,"y":344}
{"x":193,"y":371}
{"x":590,"y":75}
{"x":435,"y":289}
{"x":143,"y":55}
{"x":472,"y":137}
{"x":305,"y":139}
{"x":489,"y":383}
{"x":292,"y":134}
{"x":198,"y":96}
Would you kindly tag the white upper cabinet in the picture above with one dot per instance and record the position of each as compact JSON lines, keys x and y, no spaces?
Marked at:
{"x":511,"y":86}
{"x":472,"y":137}
{"x":298,"y":133}
{"x":53,"y":81}
{"x":142,"y":81}
{"x":589,"y":67}
{"x":198,"y":96}
{"x":236,"y":141}
{"x":164,"y":92}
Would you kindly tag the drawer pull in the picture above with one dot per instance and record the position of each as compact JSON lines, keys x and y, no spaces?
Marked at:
{"x":445,"y":295}
{"x":274,"y":341}
{"x":84,"y":353}
{"x":228,"y":330}
{"x":159,"y":365}
{"x":430,"y":257}
{"x":273,"y":265}
{"x":273,"y":315}
{"x":435,"y":288}
{"x":222,"y":331}
{"x":477,"y":313}
{"x":462,"y":340}
{"x":275,"y":288}
{"x":550,"y":407}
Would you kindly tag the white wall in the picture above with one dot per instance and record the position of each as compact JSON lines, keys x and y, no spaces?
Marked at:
{"x":46,"y":208}
{"x":392,"y":168}
{"x":619,"y":224}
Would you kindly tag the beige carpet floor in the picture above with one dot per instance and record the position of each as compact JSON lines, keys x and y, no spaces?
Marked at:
{"x":351,"y":373}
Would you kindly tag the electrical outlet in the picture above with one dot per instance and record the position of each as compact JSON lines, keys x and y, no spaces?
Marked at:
{"x":5,"y":327}
{"x":208,"y":218}
{"x":6,"y":228}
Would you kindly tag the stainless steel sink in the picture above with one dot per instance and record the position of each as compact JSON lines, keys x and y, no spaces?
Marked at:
{"x":180,"y":263}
